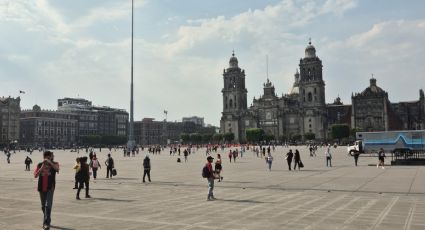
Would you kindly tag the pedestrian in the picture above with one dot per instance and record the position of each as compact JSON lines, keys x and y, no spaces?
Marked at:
{"x":46,"y":173}
{"x":218,"y":168}
{"x":356,"y":157}
{"x":230,"y":156}
{"x":289,"y":156}
{"x":297,"y":159}
{"x":235,"y":154}
{"x":185,"y":153}
{"x":328,"y":156}
{"x":95,"y":165}
{"x":8,"y":157}
{"x":381,"y":158}
{"x":109,"y":165}
{"x":84,"y":177}
{"x":146,"y":168}
{"x":269,"y":161}
{"x":208,"y":173}
{"x":28,"y":162}
{"x":77,"y":168}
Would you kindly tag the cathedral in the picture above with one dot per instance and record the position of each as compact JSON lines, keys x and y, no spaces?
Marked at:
{"x":304,"y":110}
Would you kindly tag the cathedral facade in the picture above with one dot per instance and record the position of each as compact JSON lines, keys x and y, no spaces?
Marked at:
{"x":304,"y":110}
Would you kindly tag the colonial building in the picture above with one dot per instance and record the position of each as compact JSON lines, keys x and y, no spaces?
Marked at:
{"x":46,"y":128}
{"x":304,"y":110}
{"x":194,"y":119}
{"x":9,"y":119}
{"x":301,"y":111}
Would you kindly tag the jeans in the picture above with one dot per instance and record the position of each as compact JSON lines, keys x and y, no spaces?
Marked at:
{"x":46,"y":199}
{"x":94,"y":172}
{"x":108,"y":171}
{"x":210,"y":188}
{"x":147,"y":172}
{"x":81,"y":185}
{"x":328,"y":161}
{"x":289,"y":164}
{"x":270,"y":165}
{"x":27,"y":167}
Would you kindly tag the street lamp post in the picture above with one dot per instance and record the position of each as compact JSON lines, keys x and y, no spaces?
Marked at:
{"x":131,"y":143}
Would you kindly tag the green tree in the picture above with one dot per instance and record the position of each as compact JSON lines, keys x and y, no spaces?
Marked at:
{"x":296,"y":137}
{"x":207,"y":137}
{"x":309,"y":136}
{"x":340,"y":131}
{"x":92,"y":140}
{"x":217,"y":137}
{"x":254,"y":135}
{"x":185,"y":137}
{"x":354,"y":131}
{"x":195,"y":138}
{"x":229,"y":137}
{"x":269,"y":137}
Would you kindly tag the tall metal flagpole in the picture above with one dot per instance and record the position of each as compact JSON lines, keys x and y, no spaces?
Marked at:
{"x":131,"y":142}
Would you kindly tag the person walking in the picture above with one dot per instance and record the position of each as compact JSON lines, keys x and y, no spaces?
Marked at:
{"x":146,"y":168}
{"x":109,"y":165}
{"x":28,"y":162}
{"x":209,"y":174}
{"x":269,"y":161}
{"x":381,"y":158}
{"x":356,"y":157}
{"x":95,"y":165}
{"x":8,"y":157}
{"x":46,"y":174}
{"x":289,"y":156}
{"x":328,"y":156}
{"x":218,"y":168}
{"x":230,"y":156}
{"x":84,"y":177}
{"x":235,"y":154}
{"x":185,"y":153}
{"x":77,"y":168}
{"x":297,"y":159}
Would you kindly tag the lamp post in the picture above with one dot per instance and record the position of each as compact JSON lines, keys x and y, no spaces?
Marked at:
{"x":131,"y":143}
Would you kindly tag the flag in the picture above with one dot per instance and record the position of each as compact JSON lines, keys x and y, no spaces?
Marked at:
{"x":20,"y":91}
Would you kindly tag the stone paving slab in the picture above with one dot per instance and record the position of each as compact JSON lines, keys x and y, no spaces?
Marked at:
{"x":250,"y":197}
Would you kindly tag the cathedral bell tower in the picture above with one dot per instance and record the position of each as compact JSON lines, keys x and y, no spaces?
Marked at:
{"x":234,"y":100}
{"x":312,"y":94}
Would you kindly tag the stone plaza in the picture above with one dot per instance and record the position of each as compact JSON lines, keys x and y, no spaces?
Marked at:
{"x":250,"y":197}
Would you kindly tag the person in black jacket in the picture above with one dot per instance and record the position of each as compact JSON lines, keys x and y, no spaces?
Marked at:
{"x":83,"y":177}
{"x":28,"y":162}
{"x":297,"y":159}
{"x":109,"y":165}
{"x":147,"y":168}
{"x":289,"y":157}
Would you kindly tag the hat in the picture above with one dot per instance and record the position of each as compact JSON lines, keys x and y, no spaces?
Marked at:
{"x":210,"y":158}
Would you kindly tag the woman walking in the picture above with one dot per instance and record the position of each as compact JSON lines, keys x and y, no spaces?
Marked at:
{"x":94,"y":165}
{"x":297,"y":159}
{"x":84,"y":177}
{"x":218,"y":168}
{"x":269,"y":161}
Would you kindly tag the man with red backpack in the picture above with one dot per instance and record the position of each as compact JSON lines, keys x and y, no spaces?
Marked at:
{"x":207,"y":172}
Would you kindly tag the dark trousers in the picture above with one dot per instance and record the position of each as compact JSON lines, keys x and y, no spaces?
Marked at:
{"x":27,"y":167}
{"x":94,"y":172}
{"x":147,"y":172}
{"x":297,"y":162}
{"x":81,"y":186}
{"x":108,"y":172}
{"x":76,"y":181}
{"x":289,"y":164}
{"x":356,"y":159}
{"x":46,"y":199}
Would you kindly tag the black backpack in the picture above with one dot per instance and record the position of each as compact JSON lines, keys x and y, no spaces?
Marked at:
{"x":205,"y":172}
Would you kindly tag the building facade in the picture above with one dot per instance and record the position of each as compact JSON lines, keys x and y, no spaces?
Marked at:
{"x":95,"y":120}
{"x":44,"y":128}
{"x":301,"y":111}
{"x":304,"y":110}
{"x":151,"y":132}
{"x":10,"y":109}
{"x":194,"y":119}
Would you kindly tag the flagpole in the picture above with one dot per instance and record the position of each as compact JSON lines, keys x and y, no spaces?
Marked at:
{"x":131,"y":141}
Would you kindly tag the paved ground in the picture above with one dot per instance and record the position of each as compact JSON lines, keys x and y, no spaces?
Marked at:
{"x":250,"y":197}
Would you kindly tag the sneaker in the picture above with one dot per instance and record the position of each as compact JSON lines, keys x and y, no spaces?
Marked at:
{"x":88,"y":196}
{"x":78,"y":198}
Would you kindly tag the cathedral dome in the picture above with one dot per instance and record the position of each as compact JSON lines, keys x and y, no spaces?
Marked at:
{"x":310,"y":51}
{"x":233,"y":62}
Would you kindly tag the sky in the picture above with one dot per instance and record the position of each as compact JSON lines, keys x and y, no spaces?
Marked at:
{"x":59,"y":48}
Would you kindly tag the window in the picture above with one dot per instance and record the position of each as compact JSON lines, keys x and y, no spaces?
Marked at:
{"x":310,"y":97}
{"x":230,"y":103}
{"x":315,"y":91}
